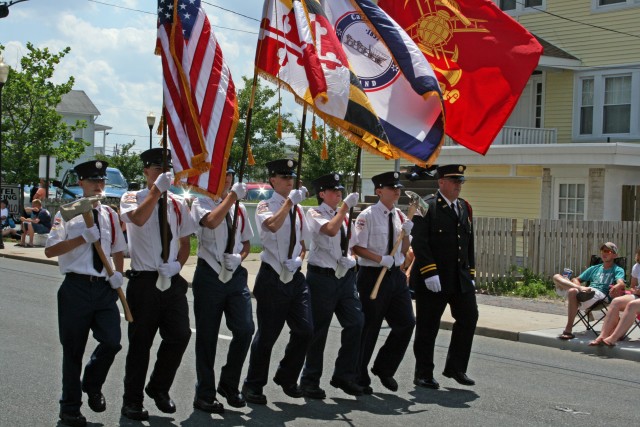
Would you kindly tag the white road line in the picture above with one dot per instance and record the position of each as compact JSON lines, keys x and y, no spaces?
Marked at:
{"x":222,"y":337}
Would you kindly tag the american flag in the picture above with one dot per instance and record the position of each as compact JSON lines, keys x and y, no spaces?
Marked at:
{"x":200,"y":108}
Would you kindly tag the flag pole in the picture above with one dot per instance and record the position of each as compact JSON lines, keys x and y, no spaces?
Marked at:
{"x":163,"y":204}
{"x":292,"y":241}
{"x":356,"y":177}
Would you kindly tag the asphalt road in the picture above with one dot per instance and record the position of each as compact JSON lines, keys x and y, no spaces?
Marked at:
{"x":517,"y":384}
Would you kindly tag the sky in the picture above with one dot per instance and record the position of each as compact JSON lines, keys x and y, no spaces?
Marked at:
{"x":112,"y":53}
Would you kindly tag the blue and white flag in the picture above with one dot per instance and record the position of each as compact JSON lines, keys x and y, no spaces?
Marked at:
{"x":395,"y":75}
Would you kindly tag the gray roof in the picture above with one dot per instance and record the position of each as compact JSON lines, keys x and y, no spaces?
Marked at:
{"x":553,"y":50}
{"x":77,"y":102}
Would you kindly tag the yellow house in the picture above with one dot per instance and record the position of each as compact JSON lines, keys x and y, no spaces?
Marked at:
{"x":570,"y":148}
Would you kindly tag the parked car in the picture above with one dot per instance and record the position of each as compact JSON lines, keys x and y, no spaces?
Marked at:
{"x":257,"y":191}
{"x":68,"y":187}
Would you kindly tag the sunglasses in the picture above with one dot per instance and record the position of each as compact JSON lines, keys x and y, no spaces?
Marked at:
{"x":606,"y":251}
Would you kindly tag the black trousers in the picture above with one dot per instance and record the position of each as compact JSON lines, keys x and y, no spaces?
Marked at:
{"x":153,"y":311}
{"x":212,"y":299}
{"x":393,"y":304}
{"x":277,"y":303}
{"x":429,"y":309}
{"x":330,"y":295}
{"x":85,"y":306}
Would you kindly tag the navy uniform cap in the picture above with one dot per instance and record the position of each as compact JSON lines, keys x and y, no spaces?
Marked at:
{"x":93,"y":169}
{"x":153,"y":156}
{"x":451,"y":171}
{"x":387,"y":179}
{"x":327,"y":182}
{"x":231,"y":171}
{"x":282,"y":167}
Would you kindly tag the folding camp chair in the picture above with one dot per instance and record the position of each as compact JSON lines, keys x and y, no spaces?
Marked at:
{"x":595,"y":314}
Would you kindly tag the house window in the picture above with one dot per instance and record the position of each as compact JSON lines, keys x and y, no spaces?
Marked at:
{"x":607,"y":105}
{"x":571,"y":201}
{"x":617,"y":105}
{"x":611,"y":5}
{"x":586,"y":108}
{"x":538,"y":123}
{"x":518,"y":6}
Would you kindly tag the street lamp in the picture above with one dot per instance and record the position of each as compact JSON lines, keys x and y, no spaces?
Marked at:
{"x":151,"y":119}
{"x":4,"y":73}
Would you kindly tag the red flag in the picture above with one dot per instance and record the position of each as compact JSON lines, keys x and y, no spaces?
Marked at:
{"x":481,"y":56}
{"x":201,"y":108}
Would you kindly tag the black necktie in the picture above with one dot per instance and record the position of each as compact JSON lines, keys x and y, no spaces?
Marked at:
{"x":97,"y":262}
{"x":162,"y":212}
{"x":343,"y":238}
{"x":390,"y":242}
{"x":292,"y":237}
{"x":453,"y":208}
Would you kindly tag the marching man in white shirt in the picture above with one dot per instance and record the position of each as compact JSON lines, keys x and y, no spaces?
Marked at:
{"x":156,"y":292}
{"x":332,"y":284}
{"x":281,"y":291}
{"x":220,"y":287}
{"x":87,"y":297}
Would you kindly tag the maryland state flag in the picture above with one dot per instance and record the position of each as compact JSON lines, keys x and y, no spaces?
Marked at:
{"x":298,"y":49}
{"x":482,"y":58}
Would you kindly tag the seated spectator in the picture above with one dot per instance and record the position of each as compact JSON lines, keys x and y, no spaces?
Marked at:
{"x":600,"y":277}
{"x":40,"y":223}
{"x":4,"y":214}
{"x":616,"y":325}
{"x":41,"y":192}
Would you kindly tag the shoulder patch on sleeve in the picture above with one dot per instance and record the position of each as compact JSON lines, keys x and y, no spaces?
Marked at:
{"x":360,"y":223}
{"x":129,"y":197}
{"x":262,"y":207}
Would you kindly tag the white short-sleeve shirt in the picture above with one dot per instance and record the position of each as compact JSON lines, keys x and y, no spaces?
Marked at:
{"x":145,"y":243}
{"x":80,"y":260}
{"x":275,"y":246}
{"x":213,"y":242}
{"x":324,"y":251}
{"x":372,"y":231}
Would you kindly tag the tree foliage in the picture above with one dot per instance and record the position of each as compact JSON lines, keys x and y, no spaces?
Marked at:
{"x":263,"y":138}
{"x":30,"y":124}
{"x":129,"y":163}
{"x":342,"y":157}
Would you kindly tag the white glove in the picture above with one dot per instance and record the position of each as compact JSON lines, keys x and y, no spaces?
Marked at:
{"x":91,"y":235}
{"x":387,"y":261}
{"x":407,"y":226}
{"x":297,"y":196}
{"x":163,"y":181}
{"x":240,"y":188}
{"x":169,"y":269}
{"x":232,"y":261}
{"x":351,"y":200}
{"x":433,"y":283}
{"x":347,"y":262}
{"x":473,"y":282}
{"x":293,"y":264}
{"x":116,"y":280}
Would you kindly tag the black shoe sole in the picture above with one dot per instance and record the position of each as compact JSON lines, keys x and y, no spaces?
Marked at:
{"x":138,"y":416}
{"x":431,"y":386}
{"x":345,"y":389}
{"x":461,"y":382}
{"x":209,"y":409}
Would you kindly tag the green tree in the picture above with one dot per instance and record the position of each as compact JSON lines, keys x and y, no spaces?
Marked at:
{"x":342,"y":157}
{"x":129,"y":163}
{"x":263,"y":138}
{"x":31,"y":125}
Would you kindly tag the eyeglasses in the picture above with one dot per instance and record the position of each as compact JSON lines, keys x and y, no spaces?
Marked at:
{"x":606,"y":251}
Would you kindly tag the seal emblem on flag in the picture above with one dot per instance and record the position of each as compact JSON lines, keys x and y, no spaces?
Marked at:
{"x":366,"y":52}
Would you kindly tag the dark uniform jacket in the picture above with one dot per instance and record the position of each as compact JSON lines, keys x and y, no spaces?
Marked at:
{"x":443,"y":246}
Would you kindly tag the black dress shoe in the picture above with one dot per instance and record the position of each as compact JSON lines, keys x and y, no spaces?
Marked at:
{"x":349,"y":387}
{"x":234,"y":397}
{"x":73,"y":419}
{"x":426,"y":382}
{"x":254,"y":396}
{"x":211,"y":406}
{"x":96,"y":402}
{"x":134,"y":411}
{"x":291,"y":390}
{"x":460,"y":377}
{"x":386,"y":381}
{"x":313,"y":391}
{"x":366,"y":389}
{"x":162,"y":399}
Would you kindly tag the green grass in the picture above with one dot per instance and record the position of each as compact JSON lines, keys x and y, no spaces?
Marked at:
{"x":521,"y":282}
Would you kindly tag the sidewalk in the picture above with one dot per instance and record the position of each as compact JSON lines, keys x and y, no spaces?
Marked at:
{"x":515,"y":319}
